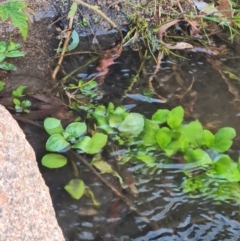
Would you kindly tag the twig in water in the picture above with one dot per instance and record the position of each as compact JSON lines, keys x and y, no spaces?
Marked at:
{"x":127,"y":201}
{"x":63,"y":49}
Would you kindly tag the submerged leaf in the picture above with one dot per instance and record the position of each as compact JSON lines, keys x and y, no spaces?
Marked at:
{"x":104,"y":167}
{"x":75,"y":188}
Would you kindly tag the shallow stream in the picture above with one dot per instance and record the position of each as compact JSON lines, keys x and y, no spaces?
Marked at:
{"x":199,"y":84}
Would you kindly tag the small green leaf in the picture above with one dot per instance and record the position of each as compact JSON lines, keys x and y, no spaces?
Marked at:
{"x":19,"y":91}
{"x":103,"y":123}
{"x":1,"y":85}
{"x":223,"y":139}
{"x":75,"y":188}
{"x":53,"y":126}
{"x":132,"y":125}
{"x":175,"y":117}
{"x":208,"y":138}
{"x":147,"y":159}
{"x":26,"y":103}
{"x":17,"y":102}
{"x":73,"y":10}
{"x":76,"y":129}
{"x":163,"y":137}
{"x":115,"y":120}
{"x":160,"y":116}
{"x":91,"y":145}
{"x":56,"y":143}
{"x":3,"y":46}
{"x":53,"y":160}
{"x":199,"y":156}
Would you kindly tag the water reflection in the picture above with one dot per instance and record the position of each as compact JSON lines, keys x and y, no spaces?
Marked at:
{"x":195,"y":84}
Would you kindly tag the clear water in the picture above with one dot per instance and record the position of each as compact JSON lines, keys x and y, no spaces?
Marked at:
{"x":173,"y":214}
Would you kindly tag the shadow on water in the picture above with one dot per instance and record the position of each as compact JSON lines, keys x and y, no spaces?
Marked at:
{"x":200,"y":85}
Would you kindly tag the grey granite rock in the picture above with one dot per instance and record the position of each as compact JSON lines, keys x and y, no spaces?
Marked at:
{"x":26,"y":211}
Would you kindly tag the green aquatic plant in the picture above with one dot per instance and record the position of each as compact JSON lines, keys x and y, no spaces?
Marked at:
{"x":10,"y":50}
{"x":21,"y":106}
{"x":145,"y":140}
{"x":62,"y":140}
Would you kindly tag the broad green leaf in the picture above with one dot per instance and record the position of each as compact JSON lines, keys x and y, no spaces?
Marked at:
{"x":53,"y":160}
{"x":91,"y":145}
{"x":7,"y":66}
{"x":193,"y":132}
{"x":132,"y":125}
{"x":223,"y":139}
{"x":1,"y":85}
{"x":160,"y":116}
{"x":104,"y":167}
{"x":14,"y":54}
{"x":226,"y":168}
{"x":149,"y":133}
{"x":75,"y":188}
{"x":208,"y":138}
{"x":175,"y":117}
{"x":19,"y":91}
{"x":53,"y":126}
{"x":56,"y":143}
{"x":163,"y":137}
{"x":199,"y":156}
{"x":76,"y":129}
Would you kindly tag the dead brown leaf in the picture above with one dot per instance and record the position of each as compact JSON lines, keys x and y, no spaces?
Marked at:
{"x":164,"y":27}
{"x":225,"y":8}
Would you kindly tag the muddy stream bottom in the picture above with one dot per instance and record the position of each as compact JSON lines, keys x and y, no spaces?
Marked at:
{"x":202,"y":86}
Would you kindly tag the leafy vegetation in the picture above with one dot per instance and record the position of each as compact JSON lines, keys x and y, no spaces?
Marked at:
{"x":14,"y":11}
{"x":144,"y":140}
{"x":10,"y":50}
